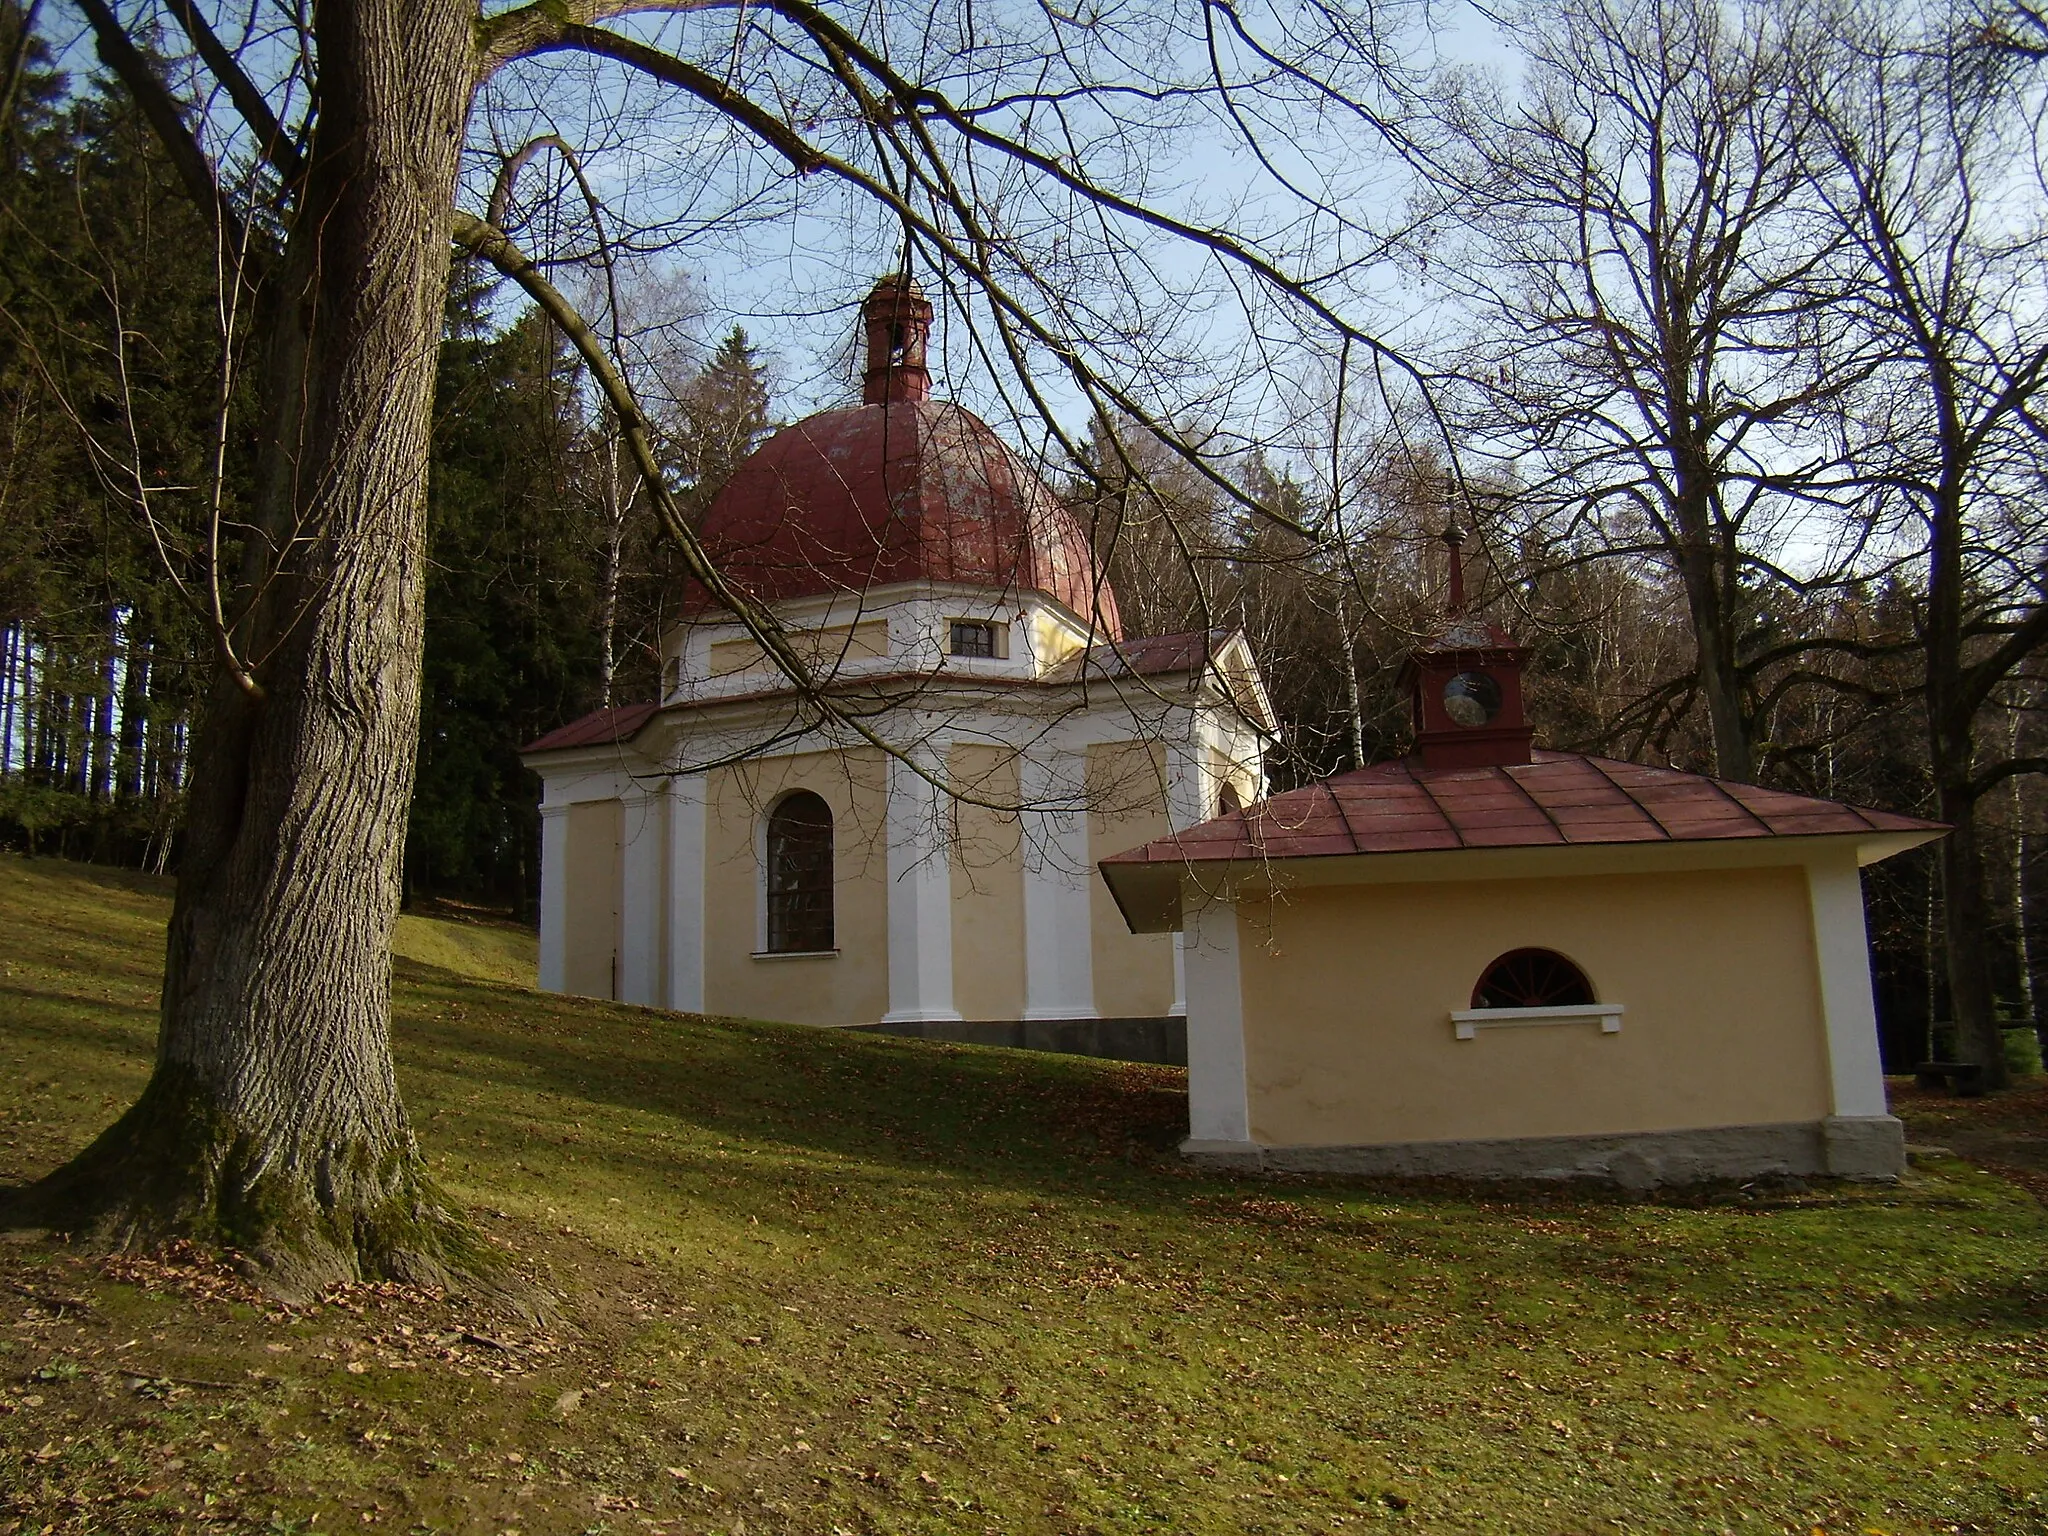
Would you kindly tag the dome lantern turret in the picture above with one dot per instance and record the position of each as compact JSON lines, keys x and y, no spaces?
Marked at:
{"x":898,"y":321}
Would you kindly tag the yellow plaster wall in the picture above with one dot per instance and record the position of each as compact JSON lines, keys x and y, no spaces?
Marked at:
{"x":850,"y":987}
{"x":1348,"y":991}
{"x":1051,"y":641}
{"x":826,"y":648}
{"x":591,"y":878}
{"x":1126,"y":807}
{"x":988,"y":888}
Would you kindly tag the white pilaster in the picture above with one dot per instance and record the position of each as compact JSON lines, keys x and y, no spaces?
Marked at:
{"x":554,"y":896}
{"x":1219,"y":1116}
{"x":643,"y":838}
{"x":920,"y":894}
{"x":1059,"y":941}
{"x":1186,"y":804}
{"x":1855,"y":1071}
{"x":686,"y":893}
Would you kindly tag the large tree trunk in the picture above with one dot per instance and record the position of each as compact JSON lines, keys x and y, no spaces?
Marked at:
{"x":273,"y":1124}
{"x":1705,"y":555}
{"x":1968,"y":918}
{"x":1966,"y":913}
{"x":1710,"y":605}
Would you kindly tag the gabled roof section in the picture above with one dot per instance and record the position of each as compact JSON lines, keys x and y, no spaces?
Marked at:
{"x":599,"y":728}
{"x":1557,"y":799}
{"x":1225,"y":653}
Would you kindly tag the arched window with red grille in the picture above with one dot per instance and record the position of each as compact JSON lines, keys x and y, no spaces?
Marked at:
{"x":1532,"y":978}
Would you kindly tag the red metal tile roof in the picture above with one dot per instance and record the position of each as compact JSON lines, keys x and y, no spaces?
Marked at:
{"x":1146,"y":656}
{"x":601,"y":727}
{"x":1559,"y":798}
{"x":902,"y":490}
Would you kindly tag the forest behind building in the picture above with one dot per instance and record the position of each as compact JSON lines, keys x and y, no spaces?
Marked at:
{"x":1736,"y":395}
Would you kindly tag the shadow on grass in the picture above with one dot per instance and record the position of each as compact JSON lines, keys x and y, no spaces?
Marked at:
{"x":1024,"y":1121}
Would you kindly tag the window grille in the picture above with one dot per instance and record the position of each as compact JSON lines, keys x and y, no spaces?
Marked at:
{"x":972,"y":637}
{"x":1532,"y":978}
{"x":800,"y":875}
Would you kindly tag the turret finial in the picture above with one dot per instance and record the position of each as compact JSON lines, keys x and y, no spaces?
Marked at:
{"x":1454,"y":540}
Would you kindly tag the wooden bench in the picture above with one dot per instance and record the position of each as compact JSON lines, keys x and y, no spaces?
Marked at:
{"x":1964,"y":1079}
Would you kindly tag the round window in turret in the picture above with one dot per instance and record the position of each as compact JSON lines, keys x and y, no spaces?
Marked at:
{"x":1471,"y":698}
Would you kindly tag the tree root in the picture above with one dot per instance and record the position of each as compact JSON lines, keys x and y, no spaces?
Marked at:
{"x":296,"y":1216}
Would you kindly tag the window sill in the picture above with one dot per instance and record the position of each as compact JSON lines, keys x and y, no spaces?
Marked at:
{"x":794,"y":954}
{"x":1469,"y":1021}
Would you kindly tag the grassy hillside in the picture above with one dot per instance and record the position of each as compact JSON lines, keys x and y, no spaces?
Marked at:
{"x":828,"y":1284}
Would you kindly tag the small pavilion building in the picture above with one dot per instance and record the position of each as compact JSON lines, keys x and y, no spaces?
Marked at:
{"x":923,"y":862}
{"x":1487,"y":960}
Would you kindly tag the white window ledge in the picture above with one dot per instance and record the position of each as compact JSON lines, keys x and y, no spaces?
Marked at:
{"x":1470,"y":1021}
{"x":794,"y":954}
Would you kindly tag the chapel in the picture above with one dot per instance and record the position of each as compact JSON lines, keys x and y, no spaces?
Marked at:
{"x":920,"y":856}
{"x":1489,"y":960}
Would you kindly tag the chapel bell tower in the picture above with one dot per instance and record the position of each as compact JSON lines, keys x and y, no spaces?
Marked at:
{"x":1466,"y":685}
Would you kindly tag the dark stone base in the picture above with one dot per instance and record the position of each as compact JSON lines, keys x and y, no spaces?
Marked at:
{"x":1161,"y":1041}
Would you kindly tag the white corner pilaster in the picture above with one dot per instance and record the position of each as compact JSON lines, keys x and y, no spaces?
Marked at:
{"x":554,"y":896}
{"x":1855,"y":1070}
{"x":1059,"y":937}
{"x":643,"y":850}
{"x":1219,"y":1115}
{"x":920,"y":894}
{"x":686,"y":893}
{"x":1186,"y":805}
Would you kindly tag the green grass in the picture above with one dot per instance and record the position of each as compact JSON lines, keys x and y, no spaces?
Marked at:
{"x":817,"y":1283}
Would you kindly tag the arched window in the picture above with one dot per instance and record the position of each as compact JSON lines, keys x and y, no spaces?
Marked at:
{"x":799,"y":858}
{"x":1227,"y":800}
{"x":1532,"y":978}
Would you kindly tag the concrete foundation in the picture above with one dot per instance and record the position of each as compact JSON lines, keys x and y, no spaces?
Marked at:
{"x":1163,"y":1041}
{"x":1869,"y":1147}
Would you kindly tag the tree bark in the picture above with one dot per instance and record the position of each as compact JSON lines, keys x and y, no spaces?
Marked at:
{"x":1713,"y":628}
{"x":1967,"y":915}
{"x":1706,"y":572}
{"x":272,"y":1124}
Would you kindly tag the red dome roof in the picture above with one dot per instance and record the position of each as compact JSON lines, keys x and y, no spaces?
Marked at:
{"x":902,"y":488}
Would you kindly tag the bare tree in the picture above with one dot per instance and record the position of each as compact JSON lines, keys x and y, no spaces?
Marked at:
{"x":1009,"y":152}
{"x":1646,"y":270}
{"x":1928,"y":171}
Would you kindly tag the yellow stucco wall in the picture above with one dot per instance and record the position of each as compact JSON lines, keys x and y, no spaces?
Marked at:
{"x":988,"y":888}
{"x":824,"y":648}
{"x":1348,"y":990}
{"x":1126,"y":807}
{"x":591,"y":878}
{"x":850,"y":987}
{"x":1051,"y":641}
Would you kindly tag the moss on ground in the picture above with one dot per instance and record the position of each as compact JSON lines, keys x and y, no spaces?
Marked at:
{"x":820,"y":1283}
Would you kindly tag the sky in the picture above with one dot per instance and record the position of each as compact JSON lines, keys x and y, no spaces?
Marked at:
{"x":793,"y":280}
